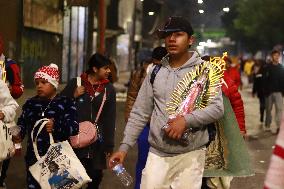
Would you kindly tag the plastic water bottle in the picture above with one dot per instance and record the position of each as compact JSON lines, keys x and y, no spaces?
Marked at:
{"x":122,"y":174}
{"x":186,"y":136}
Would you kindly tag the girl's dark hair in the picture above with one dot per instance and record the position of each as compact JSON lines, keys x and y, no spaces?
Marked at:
{"x":97,"y":60}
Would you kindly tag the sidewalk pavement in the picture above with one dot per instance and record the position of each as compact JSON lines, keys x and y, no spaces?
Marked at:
{"x":260,"y":143}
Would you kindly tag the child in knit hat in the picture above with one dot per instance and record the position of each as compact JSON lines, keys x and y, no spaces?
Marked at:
{"x":60,"y":110}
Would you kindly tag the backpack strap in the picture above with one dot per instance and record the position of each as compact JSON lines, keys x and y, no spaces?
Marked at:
{"x":154,"y":73}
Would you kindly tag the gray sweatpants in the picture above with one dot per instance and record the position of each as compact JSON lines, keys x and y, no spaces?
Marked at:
{"x":277,"y":99}
{"x":182,"y":171}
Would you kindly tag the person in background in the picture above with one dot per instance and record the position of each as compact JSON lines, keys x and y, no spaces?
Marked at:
{"x":258,"y":87}
{"x":16,"y":88}
{"x":60,"y":110}
{"x":248,"y":69}
{"x":273,"y":78}
{"x":8,"y":107}
{"x":89,"y":97}
{"x":135,"y":84}
{"x":233,"y":72}
{"x":13,"y":73}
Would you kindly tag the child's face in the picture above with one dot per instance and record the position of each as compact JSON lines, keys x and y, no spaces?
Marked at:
{"x":178,"y":42}
{"x":103,"y":72}
{"x":44,"y":89}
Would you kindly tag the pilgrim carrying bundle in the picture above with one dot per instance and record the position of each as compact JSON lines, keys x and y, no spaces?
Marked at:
{"x":226,"y":154}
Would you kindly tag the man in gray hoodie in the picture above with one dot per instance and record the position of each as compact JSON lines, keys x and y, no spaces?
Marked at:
{"x":170,"y":163}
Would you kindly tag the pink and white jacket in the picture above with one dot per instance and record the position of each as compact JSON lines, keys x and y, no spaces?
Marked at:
{"x":275,"y":174}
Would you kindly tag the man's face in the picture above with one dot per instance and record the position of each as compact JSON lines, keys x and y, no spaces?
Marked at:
{"x":275,"y":57}
{"x":178,"y":42}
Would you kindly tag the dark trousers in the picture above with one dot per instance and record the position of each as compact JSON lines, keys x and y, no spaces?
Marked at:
{"x":5,"y":166}
{"x":261,"y":107}
{"x":95,"y":174}
{"x":143,"y":149}
{"x":204,"y":185}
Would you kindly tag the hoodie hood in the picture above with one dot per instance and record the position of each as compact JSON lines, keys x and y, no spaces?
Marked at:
{"x":195,"y":59}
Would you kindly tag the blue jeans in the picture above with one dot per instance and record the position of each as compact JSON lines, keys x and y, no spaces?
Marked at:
{"x":143,"y":149}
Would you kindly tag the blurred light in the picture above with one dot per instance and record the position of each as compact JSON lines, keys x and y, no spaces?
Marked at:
{"x":209,"y":43}
{"x":200,"y":1}
{"x":226,"y":9}
{"x":201,"y":11}
{"x":201,"y":48}
{"x":141,"y":0}
{"x":151,"y":13}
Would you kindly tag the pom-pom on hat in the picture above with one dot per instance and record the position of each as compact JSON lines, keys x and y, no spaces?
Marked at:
{"x":49,"y":73}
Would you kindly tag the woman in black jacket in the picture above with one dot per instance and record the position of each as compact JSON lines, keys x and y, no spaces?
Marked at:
{"x":89,"y":98}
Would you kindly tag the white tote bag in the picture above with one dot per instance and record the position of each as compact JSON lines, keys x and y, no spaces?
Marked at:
{"x":59,"y":168}
{"x":7,"y":149}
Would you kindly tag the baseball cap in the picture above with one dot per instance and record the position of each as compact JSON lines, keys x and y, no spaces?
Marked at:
{"x":175,"y":24}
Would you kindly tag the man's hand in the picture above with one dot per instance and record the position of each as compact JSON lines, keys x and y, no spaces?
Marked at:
{"x":79,"y":91}
{"x":18,"y":149}
{"x":16,"y":139}
{"x":118,"y":156}
{"x":1,"y":115}
{"x":176,"y":128}
{"x":49,"y":125}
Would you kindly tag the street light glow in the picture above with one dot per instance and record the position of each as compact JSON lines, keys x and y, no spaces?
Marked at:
{"x":201,"y":11}
{"x":141,"y":0}
{"x":151,"y":13}
{"x":200,"y":1}
{"x":226,"y":9}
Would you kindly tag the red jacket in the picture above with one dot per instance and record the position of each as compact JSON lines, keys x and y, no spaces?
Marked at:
{"x":14,"y":78}
{"x":235,"y":75}
{"x":231,"y":91}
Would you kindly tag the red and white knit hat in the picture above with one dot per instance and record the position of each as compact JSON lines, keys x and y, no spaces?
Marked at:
{"x":49,"y":73}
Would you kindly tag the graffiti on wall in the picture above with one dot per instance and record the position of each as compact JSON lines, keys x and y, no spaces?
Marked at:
{"x":38,"y":48}
{"x":32,"y":49}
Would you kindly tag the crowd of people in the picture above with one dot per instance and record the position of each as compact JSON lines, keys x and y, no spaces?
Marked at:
{"x":163,"y":160}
